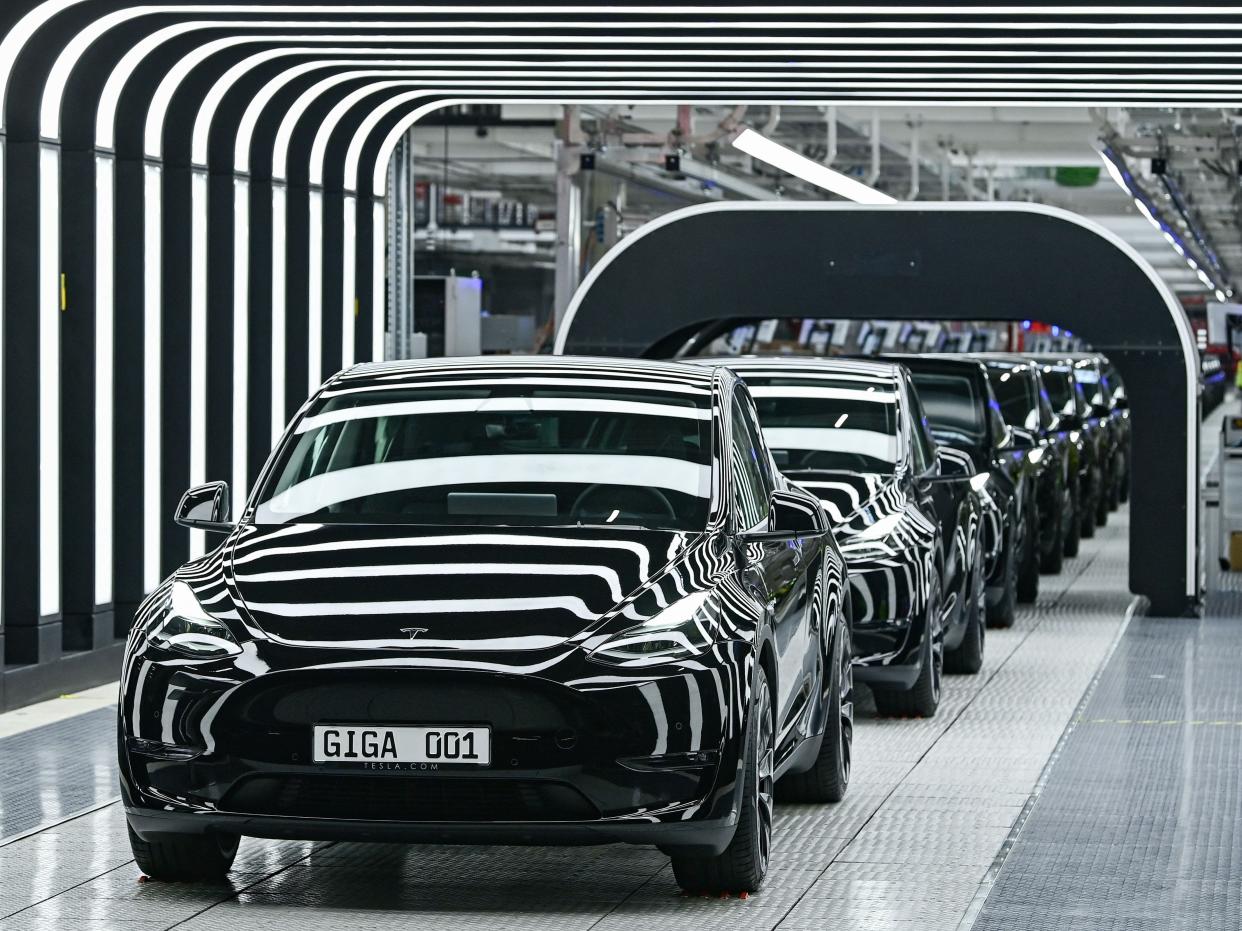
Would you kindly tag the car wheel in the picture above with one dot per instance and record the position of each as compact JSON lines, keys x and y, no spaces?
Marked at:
{"x":1073,"y":532}
{"x":1114,"y":494}
{"x":1028,"y":567}
{"x":1088,"y":519}
{"x":1101,"y":507}
{"x":741,"y":866}
{"x":1052,"y":561}
{"x":1002,"y":613}
{"x":184,"y":856}
{"x":923,"y":699}
{"x":829,"y":778}
{"x":968,"y":657}
{"x":1123,"y":493}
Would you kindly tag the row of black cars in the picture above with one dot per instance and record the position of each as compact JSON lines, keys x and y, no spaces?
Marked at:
{"x":574,"y":601}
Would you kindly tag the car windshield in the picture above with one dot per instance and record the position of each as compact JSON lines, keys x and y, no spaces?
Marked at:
{"x":835,"y":422}
{"x":954,"y":406}
{"x":510,"y":454}
{"x":1060,"y":388}
{"x":1094,"y":385}
{"x":1019,"y":404}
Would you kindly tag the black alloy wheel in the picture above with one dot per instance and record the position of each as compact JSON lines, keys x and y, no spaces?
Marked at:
{"x":968,"y":657}
{"x":1088,"y":509}
{"x":1028,"y":565}
{"x":1073,"y":532}
{"x":742,"y":865}
{"x":922,"y":700}
{"x":1002,"y":613}
{"x":1052,"y":561}
{"x":829,"y":778}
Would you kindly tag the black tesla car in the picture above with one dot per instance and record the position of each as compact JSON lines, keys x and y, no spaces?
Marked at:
{"x":542,"y":601}
{"x":1026,"y":409}
{"x":1111,"y":411}
{"x":904,"y":514}
{"x":963,"y":414}
{"x":1087,"y":439}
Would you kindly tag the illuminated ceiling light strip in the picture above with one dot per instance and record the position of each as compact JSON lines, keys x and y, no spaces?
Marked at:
{"x":48,"y":309}
{"x":241,"y":339}
{"x":211,"y":101}
{"x":314,"y":294}
{"x":152,"y":518}
{"x":349,"y":301}
{"x":379,"y":290}
{"x":278,"y":311}
{"x":105,"y":418}
{"x":792,"y":163}
{"x":198,"y":343}
{"x":73,"y":51}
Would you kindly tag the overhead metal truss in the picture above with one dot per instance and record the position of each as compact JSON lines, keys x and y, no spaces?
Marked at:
{"x":193,"y":201}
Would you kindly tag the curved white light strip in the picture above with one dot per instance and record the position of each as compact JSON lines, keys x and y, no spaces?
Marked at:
{"x":1180,"y":322}
{"x":320,"y":145}
{"x":73,"y":51}
{"x":211,"y":102}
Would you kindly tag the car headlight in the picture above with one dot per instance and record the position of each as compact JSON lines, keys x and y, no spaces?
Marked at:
{"x":682,"y":630}
{"x":188,"y":629}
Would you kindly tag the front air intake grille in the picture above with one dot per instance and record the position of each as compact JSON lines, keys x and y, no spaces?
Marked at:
{"x":414,"y":799}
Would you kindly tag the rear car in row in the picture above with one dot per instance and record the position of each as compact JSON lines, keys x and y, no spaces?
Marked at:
{"x":905,"y":513}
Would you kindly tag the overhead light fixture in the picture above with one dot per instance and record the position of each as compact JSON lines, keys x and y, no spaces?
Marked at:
{"x":1114,"y":171}
{"x":790,"y":162}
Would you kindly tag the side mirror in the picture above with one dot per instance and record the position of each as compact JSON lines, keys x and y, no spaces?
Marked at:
{"x":954,"y":464}
{"x":791,"y":516}
{"x":205,"y":507}
{"x":1020,"y":439}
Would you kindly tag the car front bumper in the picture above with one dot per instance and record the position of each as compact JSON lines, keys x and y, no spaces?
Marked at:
{"x":580,"y":752}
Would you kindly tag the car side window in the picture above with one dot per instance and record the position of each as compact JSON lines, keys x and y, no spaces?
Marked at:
{"x":747,"y":457}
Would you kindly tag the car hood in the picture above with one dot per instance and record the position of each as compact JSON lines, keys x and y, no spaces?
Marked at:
{"x":853,"y":500}
{"x":439,"y":587}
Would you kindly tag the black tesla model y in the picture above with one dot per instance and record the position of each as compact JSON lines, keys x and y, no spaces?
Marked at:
{"x":515,"y":601}
{"x":904,"y":511}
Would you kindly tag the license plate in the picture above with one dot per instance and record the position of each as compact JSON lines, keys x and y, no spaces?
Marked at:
{"x":365,"y":743}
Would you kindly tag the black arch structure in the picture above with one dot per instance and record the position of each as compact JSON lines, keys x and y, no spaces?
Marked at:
{"x":63,"y":632}
{"x":964,"y":262}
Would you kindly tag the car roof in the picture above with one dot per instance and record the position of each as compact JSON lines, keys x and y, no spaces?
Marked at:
{"x":877,"y":369}
{"x":939,"y":359}
{"x":649,"y":373}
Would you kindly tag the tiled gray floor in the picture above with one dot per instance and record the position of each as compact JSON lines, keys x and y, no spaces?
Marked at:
{"x":1140,"y":822}
{"x":930,"y":805}
{"x":51,"y":771}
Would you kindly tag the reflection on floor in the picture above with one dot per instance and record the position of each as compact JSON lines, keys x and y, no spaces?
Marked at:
{"x":932,"y":803}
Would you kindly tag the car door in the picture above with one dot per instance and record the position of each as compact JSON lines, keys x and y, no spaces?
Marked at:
{"x":942,"y":499}
{"x":778,"y":567}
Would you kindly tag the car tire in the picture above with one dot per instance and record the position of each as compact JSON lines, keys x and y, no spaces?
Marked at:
{"x":1054,"y":560}
{"x":1073,"y":533}
{"x":829,"y":778}
{"x":968,"y":657}
{"x":1003,"y":612}
{"x":184,"y":857}
{"x":1114,"y":494}
{"x":1101,"y":507}
{"x":922,"y":700}
{"x":742,"y":865}
{"x":1088,"y":521}
{"x":1028,"y":566}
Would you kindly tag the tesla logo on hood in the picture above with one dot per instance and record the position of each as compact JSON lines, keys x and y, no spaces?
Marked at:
{"x":413,"y":631}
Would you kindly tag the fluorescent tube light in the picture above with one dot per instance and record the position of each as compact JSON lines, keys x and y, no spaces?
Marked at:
{"x":790,"y":162}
